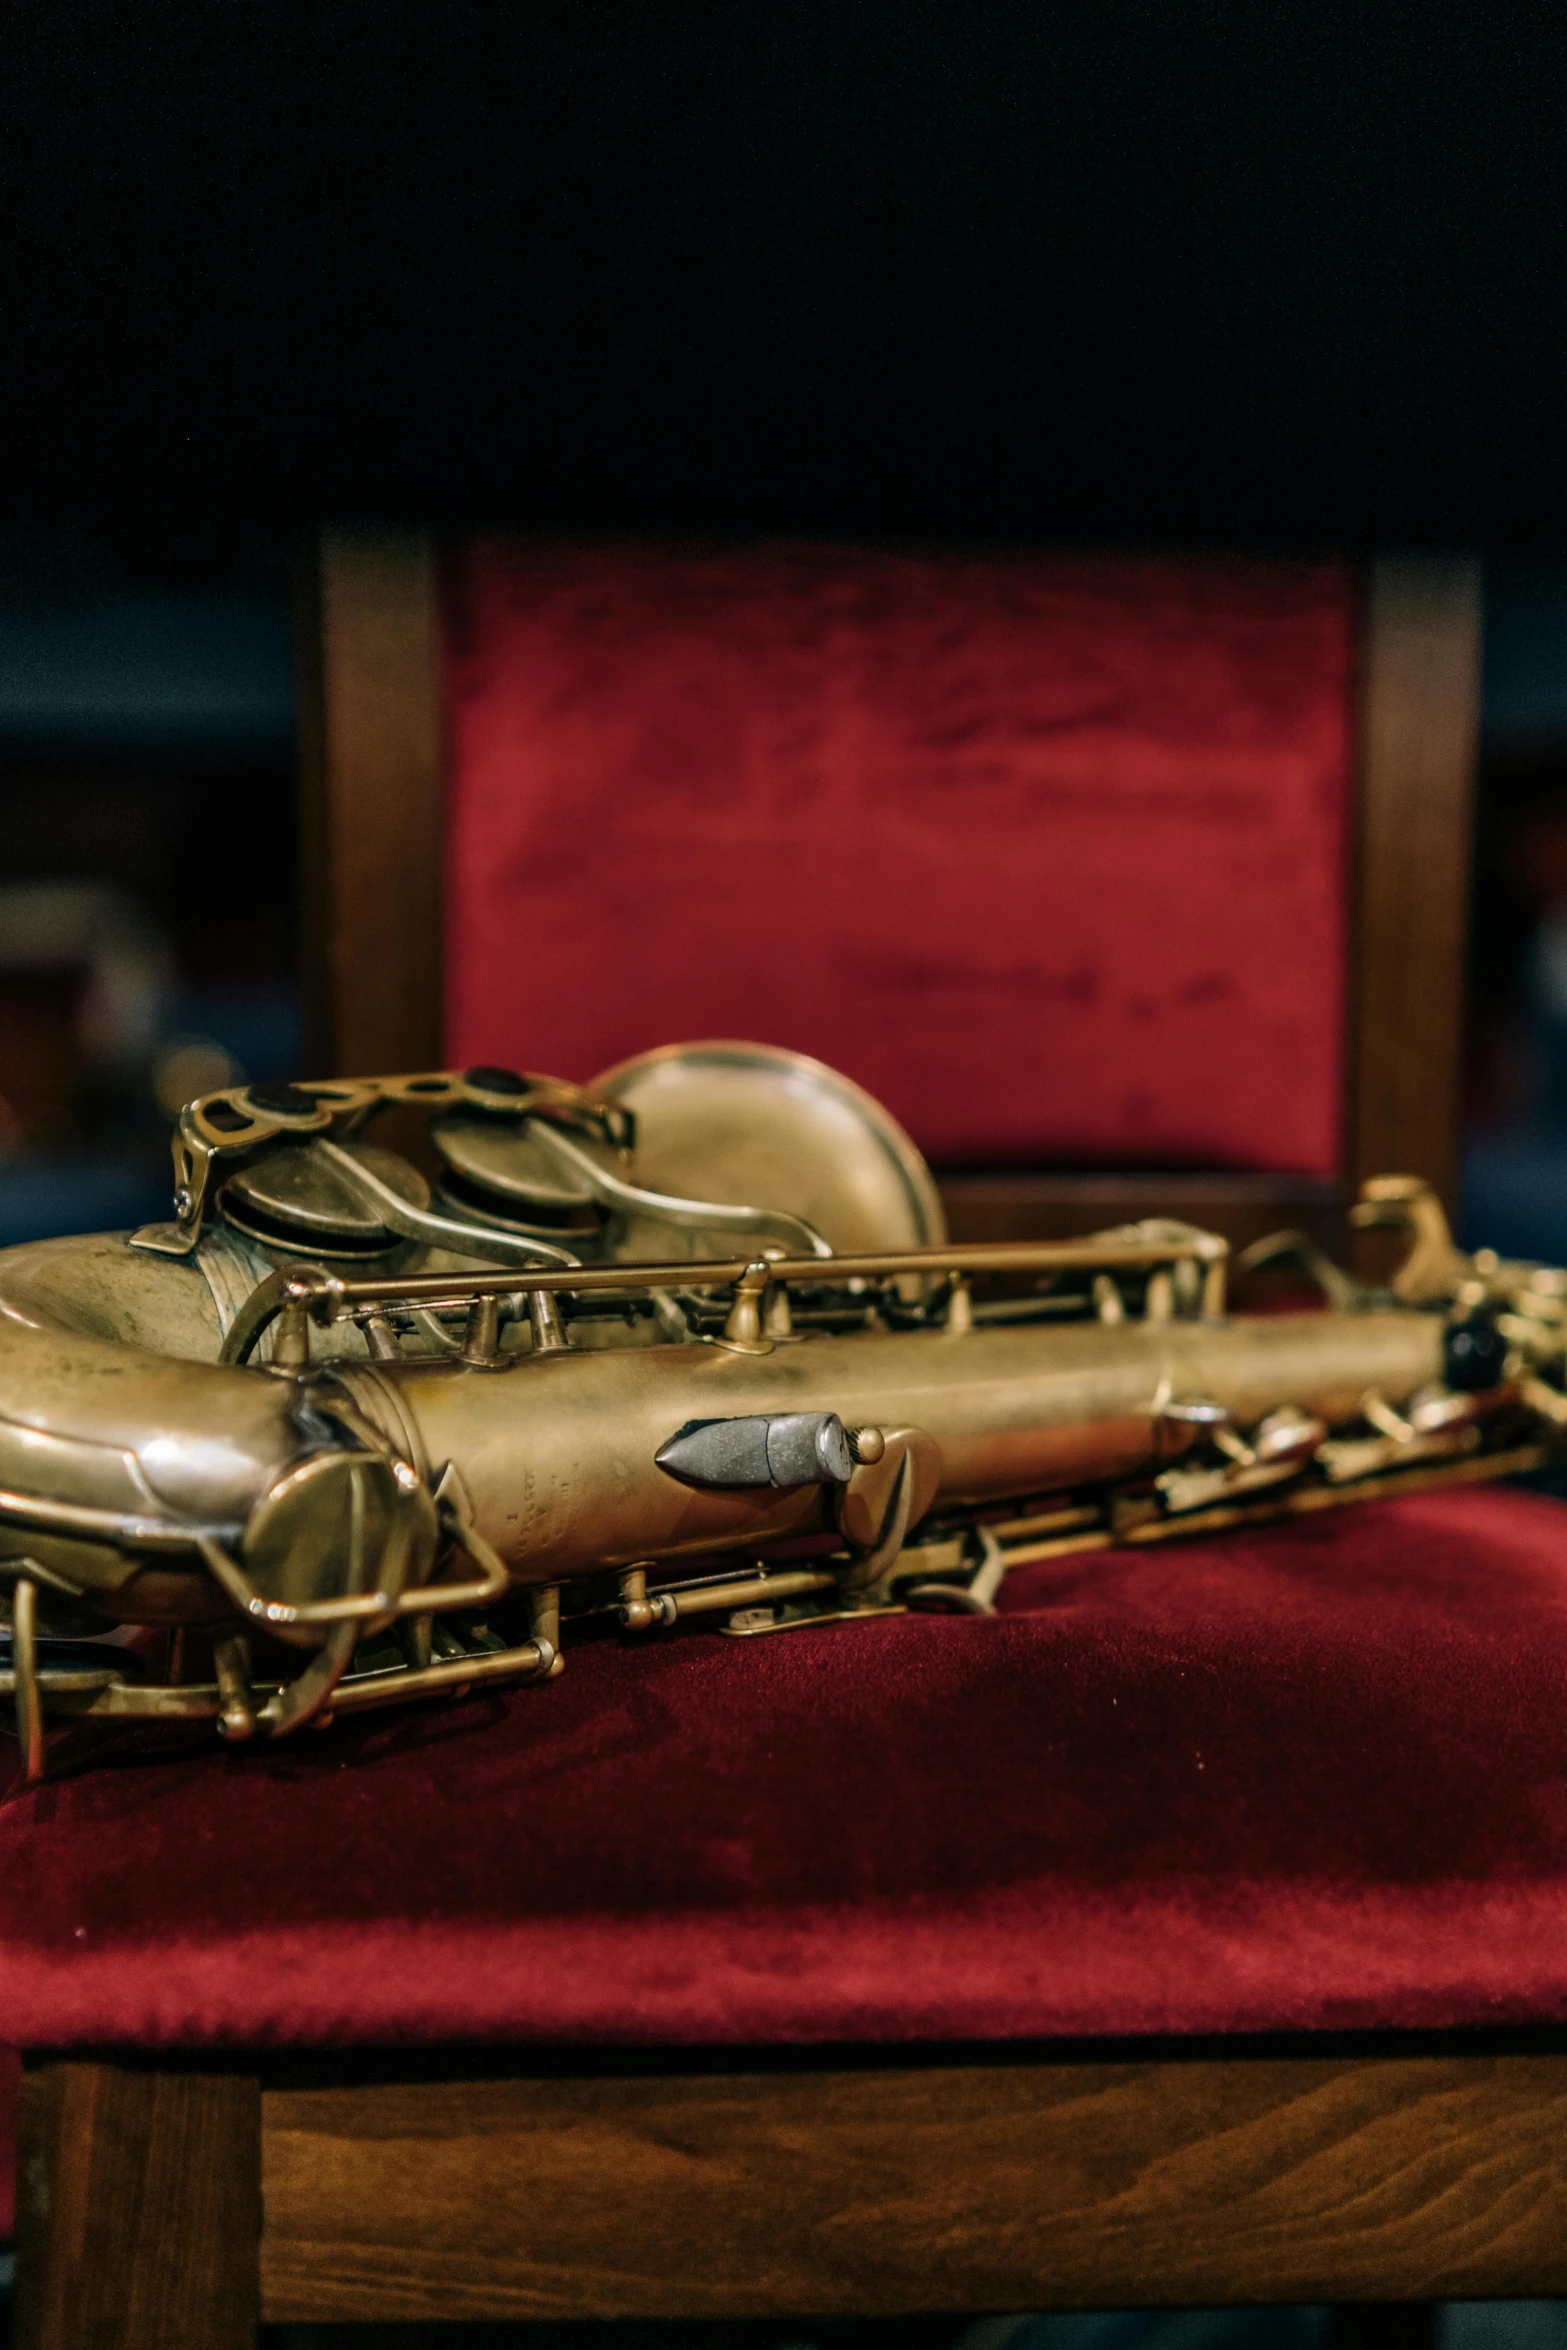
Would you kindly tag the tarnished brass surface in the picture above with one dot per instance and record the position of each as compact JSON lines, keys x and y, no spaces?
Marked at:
{"x":299,"y":1197}
{"x":1010,"y":1410}
{"x":735,"y":1122}
{"x":365,"y":1447}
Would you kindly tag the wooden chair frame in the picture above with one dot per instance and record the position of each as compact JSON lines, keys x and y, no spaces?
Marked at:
{"x":170,"y":2204}
{"x":171,"y":2200}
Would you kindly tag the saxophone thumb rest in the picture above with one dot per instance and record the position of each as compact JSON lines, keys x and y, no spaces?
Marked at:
{"x":331,"y":1440}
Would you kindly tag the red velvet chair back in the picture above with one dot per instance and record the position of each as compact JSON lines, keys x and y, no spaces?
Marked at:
{"x":1050,"y":855}
{"x":1081,"y":864}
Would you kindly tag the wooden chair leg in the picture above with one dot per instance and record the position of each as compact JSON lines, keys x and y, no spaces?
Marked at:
{"x":138,"y":2207}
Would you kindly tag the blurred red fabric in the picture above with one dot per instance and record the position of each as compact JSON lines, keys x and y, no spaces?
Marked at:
{"x":1301,"y":1779}
{"x":1048,"y":854}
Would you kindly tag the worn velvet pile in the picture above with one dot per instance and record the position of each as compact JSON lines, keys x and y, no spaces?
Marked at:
{"x":1049,"y":855}
{"x":1303,"y":1778}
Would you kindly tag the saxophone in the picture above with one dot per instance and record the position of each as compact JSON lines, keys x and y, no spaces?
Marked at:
{"x":361,"y":1425}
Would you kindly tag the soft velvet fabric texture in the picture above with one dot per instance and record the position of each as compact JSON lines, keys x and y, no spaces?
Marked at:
{"x":1049,"y":855}
{"x":1303,"y":1778}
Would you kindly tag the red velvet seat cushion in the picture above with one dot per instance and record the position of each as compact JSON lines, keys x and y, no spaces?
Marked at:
{"x":1304,"y":1778}
{"x":1048,"y":854}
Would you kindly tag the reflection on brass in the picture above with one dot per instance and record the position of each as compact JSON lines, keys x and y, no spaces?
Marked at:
{"x":689,"y":1343}
{"x":24,"y":1668}
{"x":748,"y":1122}
{"x":231,"y":1663}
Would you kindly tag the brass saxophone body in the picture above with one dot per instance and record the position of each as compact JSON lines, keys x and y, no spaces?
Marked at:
{"x":1008,"y":1412}
{"x":342,"y":1441}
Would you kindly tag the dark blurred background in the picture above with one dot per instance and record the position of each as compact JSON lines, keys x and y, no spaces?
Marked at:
{"x":1515,"y":1165}
{"x":147,"y":855}
{"x":1230,"y":273}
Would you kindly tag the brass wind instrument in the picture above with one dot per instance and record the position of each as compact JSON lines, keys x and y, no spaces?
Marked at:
{"x":689,"y":1342}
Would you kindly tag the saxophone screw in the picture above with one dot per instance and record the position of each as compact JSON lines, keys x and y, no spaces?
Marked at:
{"x":866,"y":1445}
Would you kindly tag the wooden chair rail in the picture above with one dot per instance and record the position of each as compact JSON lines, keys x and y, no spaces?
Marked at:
{"x":1420,"y":711}
{"x":818,"y":2189}
{"x":1020,"y":1205}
